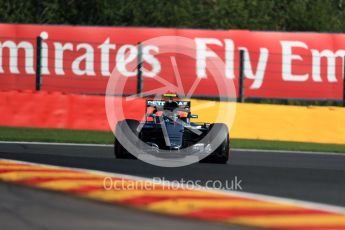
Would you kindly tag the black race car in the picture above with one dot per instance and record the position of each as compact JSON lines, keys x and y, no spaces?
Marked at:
{"x":167,"y":127}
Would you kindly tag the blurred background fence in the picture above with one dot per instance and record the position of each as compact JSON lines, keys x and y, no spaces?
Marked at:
{"x":83,"y":64}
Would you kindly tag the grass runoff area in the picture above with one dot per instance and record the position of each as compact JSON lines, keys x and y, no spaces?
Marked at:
{"x":98,"y":137}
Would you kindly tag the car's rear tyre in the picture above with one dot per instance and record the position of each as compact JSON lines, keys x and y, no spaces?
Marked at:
{"x":221,"y":154}
{"x":119,"y":151}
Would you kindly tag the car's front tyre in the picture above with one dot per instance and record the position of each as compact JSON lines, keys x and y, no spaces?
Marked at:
{"x":221,"y":154}
{"x":120,"y":151}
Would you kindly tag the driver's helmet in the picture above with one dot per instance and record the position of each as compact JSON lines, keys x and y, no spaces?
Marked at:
{"x":170,"y":104}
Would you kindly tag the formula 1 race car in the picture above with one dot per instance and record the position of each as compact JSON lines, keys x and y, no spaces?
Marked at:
{"x":167,"y":126}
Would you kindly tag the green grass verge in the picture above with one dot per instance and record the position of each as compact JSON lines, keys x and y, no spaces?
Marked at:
{"x":287,"y":145}
{"x":55,"y":135}
{"x":97,"y":137}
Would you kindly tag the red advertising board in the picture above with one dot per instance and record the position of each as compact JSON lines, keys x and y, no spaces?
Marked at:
{"x":80,"y":59}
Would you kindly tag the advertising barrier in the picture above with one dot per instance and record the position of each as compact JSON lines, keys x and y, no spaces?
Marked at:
{"x":253,"y":121}
{"x":80,"y":59}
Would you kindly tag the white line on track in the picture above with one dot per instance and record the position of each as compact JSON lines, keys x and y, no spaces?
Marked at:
{"x":54,"y":143}
{"x":234,"y":149}
{"x":267,"y":198}
{"x":288,"y":151}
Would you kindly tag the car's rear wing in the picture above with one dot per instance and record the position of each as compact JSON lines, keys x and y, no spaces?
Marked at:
{"x":185,"y":105}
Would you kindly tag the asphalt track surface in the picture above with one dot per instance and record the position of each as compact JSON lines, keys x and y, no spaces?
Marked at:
{"x":31,"y":209}
{"x":304,"y":176}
